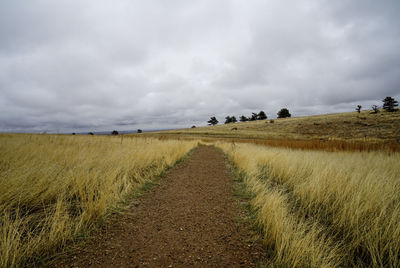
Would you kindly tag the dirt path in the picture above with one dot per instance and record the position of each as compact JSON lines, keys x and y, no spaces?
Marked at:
{"x":188,"y":220}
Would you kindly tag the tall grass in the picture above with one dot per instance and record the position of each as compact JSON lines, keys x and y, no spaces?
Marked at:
{"x":52,"y":188}
{"x":325,"y":208}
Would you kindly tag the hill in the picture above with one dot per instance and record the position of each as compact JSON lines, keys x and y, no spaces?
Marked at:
{"x":348,"y":130}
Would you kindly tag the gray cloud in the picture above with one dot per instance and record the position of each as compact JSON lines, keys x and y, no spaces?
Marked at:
{"x":97,"y":65}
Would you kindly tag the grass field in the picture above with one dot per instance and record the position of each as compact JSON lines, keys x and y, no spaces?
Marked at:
{"x":324,"y":189}
{"x":344,"y":131}
{"x":56,"y":188}
{"x":324,"y":209}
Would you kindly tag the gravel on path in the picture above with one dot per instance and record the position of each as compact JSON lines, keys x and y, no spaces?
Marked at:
{"x":190,"y":219}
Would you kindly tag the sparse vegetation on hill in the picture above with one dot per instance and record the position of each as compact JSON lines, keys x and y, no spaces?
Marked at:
{"x":344,"y":131}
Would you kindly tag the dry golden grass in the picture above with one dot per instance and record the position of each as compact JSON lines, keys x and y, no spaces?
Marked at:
{"x":324,"y":209}
{"x":344,"y":131}
{"x":53,"y":188}
{"x":329,"y":208}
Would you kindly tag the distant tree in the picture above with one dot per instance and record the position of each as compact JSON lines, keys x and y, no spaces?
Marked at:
{"x":228,"y":120}
{"x":389,"y":104}
{"x":213,"y":121}
{"x":284,"y":113}
{"x":375,"y":109}
{"x":243,"y":118}
{"x":90,"y":133}
{"x":139,"y":131}
{"x":193,"y":126}
{"x":261,"y":116}
{"x":358,"y":109}
{"x":114,"y":132}
{"x":253,"y":117}
{"x":73,"y":133}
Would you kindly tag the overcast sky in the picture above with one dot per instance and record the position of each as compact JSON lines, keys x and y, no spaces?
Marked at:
{"x":97,"y":65}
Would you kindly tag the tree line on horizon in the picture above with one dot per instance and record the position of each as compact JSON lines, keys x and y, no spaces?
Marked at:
{"x":389,"y":105}
{"x":283,"y":113}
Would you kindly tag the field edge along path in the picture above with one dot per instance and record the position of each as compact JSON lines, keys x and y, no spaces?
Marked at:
{"x":189,"y":219}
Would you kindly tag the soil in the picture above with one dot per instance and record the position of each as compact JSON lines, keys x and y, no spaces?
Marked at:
{"x":190,"y":219}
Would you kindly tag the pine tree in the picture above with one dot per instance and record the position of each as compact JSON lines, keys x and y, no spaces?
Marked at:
{"x":213,"y":121}
{"x":284,"y":113}
{"x":389,"y":104}
{"x":243,"y":118}
{"x":261,"y":116}
{"x":253,"y":117}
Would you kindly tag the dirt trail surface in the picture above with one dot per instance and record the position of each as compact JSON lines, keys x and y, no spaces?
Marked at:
{"x":190,"y":219}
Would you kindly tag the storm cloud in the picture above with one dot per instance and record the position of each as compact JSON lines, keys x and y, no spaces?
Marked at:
{"x":102,"y":65}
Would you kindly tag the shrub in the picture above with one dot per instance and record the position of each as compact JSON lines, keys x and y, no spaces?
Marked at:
{"x":375,"y":109}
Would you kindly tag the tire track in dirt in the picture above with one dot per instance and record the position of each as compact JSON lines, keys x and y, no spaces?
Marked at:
{"x":188,"y":220}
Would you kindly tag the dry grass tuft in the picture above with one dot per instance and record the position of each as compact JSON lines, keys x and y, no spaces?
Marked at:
{"x":54,"y":188}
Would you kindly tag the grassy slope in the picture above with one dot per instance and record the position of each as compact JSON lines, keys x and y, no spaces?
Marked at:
{"x":353,"y":127}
